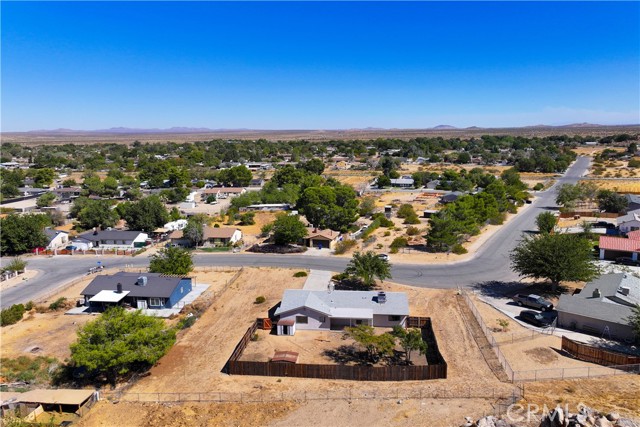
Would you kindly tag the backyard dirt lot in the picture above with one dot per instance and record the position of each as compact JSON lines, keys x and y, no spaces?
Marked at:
{"x":618,"y":185}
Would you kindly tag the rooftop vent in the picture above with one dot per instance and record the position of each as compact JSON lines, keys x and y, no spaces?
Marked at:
{"x":119,"y":288}
{"x":142,"y":281}
{"x":596,"y":293}
{"x":624,"y":290}
{"x":382,"y":297}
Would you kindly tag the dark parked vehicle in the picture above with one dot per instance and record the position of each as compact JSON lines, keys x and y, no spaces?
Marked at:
{"x":71,"y":248}
{"x":534,"y":318}
{"x":603,"y":224}
{"x":627,"y":261}
{"x":533,"y":301}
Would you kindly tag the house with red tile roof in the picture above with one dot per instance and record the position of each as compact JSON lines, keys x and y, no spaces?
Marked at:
{"x":614,"y":247}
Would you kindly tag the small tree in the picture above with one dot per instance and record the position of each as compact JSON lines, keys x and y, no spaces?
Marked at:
{"x":410,"y":340}
{"x":546,"y":222}
{"x":16,"y":264}
{"x":194,"y":230}
{"x":367,"y":206}
{"x":119,"y":342}
{"x":555,"y":257}
{"x":368,"y":266}
{"x":375,"y":346}
{"x":45,"y":200}
{"x":288,"y":229}
{"x":610,"y":201}
{"x":171,"y":261}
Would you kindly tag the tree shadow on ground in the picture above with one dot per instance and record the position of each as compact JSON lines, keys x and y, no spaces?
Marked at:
{"x":499,"y":289}
{"x":348,"y":354}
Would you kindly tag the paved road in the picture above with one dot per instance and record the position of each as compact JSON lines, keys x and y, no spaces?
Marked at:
{"x":490,"y":263}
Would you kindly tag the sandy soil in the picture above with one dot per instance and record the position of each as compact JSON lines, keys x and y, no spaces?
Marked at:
{"x":310,"y":346}
{"x":619,"y":394}
{"x":354,"y":178}
{"x":51,"y":333}
{"x":619,"y":185}
{"x":523,"y":349}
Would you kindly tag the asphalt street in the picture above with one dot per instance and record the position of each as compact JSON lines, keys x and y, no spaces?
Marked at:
{"x":490,"y":263}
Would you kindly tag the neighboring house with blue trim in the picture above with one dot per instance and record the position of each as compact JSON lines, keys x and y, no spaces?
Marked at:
{"x":138,"y":290}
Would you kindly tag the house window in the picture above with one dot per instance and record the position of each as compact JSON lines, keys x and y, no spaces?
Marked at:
{"x":358,"y":321}
{"x":323,"y":319}
{"x":156,"y":302}
{"x":394,"y":318}
{"x":302,"y":320}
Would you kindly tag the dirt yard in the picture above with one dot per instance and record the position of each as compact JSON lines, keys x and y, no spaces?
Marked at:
{"x":526,"y":351}
{"x":313,"y":347}
{"x":51,"y":333}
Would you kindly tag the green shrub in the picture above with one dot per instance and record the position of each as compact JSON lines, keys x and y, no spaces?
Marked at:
{"x":255,"y":337}
{"x":344,"y":245}
{"x":634,"y":163}
{"x":387,"y":233}
{"x":406,"y":211}
{"x":370,"y":229}
{"x":247,"y":218}
{"x":413,"y":219}
{"x":29,"y":306}
{"x":458,"y":249}
{"x":539,"y":186}
{"x":260,"y":300}
{"x":300,"y":274}
{"x":383,"y":220}
{"x":399,"y":242}
{"x":393,"y":251}
{"x":186,"y":322}
{"x":266,"y":229}
{"x":11,"y":315}
{"x":58,"y":304}
{"x":413,"y":231}
{"x":16,"y":264}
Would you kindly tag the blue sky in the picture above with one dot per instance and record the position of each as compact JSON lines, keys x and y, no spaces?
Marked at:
{"x":96,"y":65}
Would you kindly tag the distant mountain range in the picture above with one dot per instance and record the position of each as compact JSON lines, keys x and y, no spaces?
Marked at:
{"x":187,"y":130}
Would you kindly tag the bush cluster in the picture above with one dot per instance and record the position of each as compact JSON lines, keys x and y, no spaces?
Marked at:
{"x":343,"y":246}
{"x":12,"y":315}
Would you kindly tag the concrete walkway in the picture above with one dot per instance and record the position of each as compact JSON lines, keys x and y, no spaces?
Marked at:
{"x":318,"y":280}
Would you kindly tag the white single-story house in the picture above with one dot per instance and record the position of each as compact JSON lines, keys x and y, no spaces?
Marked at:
{"x":57,"y":239}
{"x":629,"y":222}
{"x":323,"y":238}
{"x":67,"y":193}
{"x":212,"y":236}
{"x":333,"y":310}
{"x":402,"y":182}
{"x":114,"y":239}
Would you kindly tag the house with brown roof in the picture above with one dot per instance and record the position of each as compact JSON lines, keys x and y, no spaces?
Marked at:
{"x":321,"y":238}
{"x":614,"y":247}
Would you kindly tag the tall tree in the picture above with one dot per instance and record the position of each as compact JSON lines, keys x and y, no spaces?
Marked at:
{"x":118,"y":342}
{"x":288,"y":229}
{"x":146,"y":215}
{"x":97,"y":213}
{"x":171,"y":261}
{"x":368,"y":266}
{"x":194,"y":231}
{"x":375,"y":346}
{"x":610,"y":201}
{"x":546,"y":222}
{"x":555,"y":257}
{"x":22,"y":233}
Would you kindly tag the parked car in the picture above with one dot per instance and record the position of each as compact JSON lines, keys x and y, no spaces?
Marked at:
{"x":627,"y":261}
{"x":603,"y":224}
{"x":71,"y":248}
{"x":534,"y":318}
{"x":533,"y":301}
{"x":384,"y":257}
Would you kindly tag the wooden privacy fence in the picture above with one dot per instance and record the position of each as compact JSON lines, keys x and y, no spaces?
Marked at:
{"x":436,"y":368}
{"x":590,"y":214}
{"x":597,"y":355}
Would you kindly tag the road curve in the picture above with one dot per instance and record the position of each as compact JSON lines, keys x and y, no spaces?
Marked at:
{"x":491,"y":261}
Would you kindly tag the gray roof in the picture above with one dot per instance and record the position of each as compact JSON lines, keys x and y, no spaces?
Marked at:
{"x":109,"y":235}
{"x":611,"y":306}
{"x":630,"y":216}
{"x":632,"y":198}
{"x":51,"y":233}
{"x":335,"y":302}
{"x":157,"y":285}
